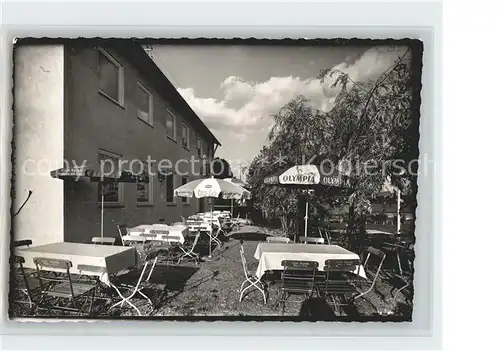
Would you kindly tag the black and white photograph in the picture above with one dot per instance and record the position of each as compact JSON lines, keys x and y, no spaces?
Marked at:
{"x":211,"y":179}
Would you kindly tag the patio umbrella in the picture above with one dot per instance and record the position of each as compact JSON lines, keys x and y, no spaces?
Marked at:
{"x":240,"y":183}
{"x":95,"y":176}
{"x":307,"y":177}
{"x":211,"y":188}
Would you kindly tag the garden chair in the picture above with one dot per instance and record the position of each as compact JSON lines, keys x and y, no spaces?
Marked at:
{"x":66,"y":293}
{"x":407,"y":272}
{"x":97,"y":240}
{"x":251,"y":280}
{"x":323,"y":233}
{"x":338,"y":283}
{"x":309,"y":240}
{"x":24,"y":282}
{"x":297,"y":278}
{"x":188,"y":252}
{"x":133,"y":282}
{"x":372,"y":265}
{"x":278,"y":239}
{"x":122,"y":230}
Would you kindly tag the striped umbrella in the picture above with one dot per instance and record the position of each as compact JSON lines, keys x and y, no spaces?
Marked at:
{"x":94,"y":174}
{"x":307,"y":177}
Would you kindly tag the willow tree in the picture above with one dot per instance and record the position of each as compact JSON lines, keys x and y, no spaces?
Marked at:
{"x":371,"y":132}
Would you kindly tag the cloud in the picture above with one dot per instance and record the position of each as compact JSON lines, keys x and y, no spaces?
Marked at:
{"x":248,"y":106}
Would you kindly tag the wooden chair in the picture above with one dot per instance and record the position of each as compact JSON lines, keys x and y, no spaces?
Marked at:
{"x":297,"y":278}
{"x":188,"y":252}
{"x":61,"y":288}
{"x":338,"y":286}
{"x":372,"y":265}
{"x":24,"y":282}
{"x":128,"y":285}
{"x":309,"y":240}
{"x":251,"y":280}
{"x":122,"y":230}
{"x":97,"y":240}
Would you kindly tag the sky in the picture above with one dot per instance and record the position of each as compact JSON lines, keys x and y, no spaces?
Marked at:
{"x":235,"y":90}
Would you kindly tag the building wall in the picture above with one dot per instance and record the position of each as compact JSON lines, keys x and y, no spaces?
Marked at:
{"x":95,"y":122}
{"x":38,"y":133}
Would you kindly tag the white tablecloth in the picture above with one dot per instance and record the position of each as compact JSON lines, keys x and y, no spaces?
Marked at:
{"x":178,"y":232}
{"x":113,"y":258}
{"x":270,"y":255}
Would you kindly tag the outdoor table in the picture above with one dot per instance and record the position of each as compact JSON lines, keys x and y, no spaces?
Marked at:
{"x":179,"y":232}
{"x":113,"y":258}
{"x":270,"y":256}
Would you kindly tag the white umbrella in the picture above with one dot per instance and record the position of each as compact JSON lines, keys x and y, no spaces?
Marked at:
{"x":211,"y":187}
{"x":241,"y":184}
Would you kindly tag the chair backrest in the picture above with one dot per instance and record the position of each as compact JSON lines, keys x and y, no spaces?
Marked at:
{"x":103,"y":240}
{"x":19,"y":243}
{"x":298,"y":276}
{"x":278,"y":239}
{"x":87,"y":268}
{"x":342,"y":265}
{"x":195,"y":241}
{"x":325,"y":234}
{"x":122,"y":230}
{"x":159,"y":231}
{"x":373,"y":262}
{"x":309,"y":240}
{"x":53,"y":265}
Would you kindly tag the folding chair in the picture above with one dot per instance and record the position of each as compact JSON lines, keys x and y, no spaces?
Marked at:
{"x":323,"y":233}
{"x":337,"y":284}
{"x":122,"y":230}
{"x":125,"y":283}
{"x":297,"y":278}
{"x":406,"y":276}
{"x":60,"y":286}
{"x":308,"y":240}
{"x":103,"y":240}
{"x":278,"y":239}
{"x":250,"y":278}
{"x":189,"y":252}
{"x":372,"y":265}
{"x":26,"y":283}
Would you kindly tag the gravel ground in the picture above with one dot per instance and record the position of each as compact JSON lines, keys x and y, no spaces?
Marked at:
{"x":211,"y":289}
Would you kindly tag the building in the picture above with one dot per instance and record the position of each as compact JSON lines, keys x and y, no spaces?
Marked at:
{"x":79,"y":104}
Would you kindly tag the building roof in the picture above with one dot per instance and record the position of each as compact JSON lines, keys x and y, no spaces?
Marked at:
{"x":137,"y":56}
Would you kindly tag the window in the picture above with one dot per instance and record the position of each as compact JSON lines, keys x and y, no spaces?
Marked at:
{"x":144,"y":101}
{"x":185,"y":200}
{"x":198,"y":147}
{"x":185,"y":136}
{"x":170,"y":124}
{"x":110,"y":193}
{"x":144,"y":190}
{"x":169,"y":186}
{"x":110,"y":77}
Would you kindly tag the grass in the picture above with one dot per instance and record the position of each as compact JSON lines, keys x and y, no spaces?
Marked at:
{"x":210,"y":289}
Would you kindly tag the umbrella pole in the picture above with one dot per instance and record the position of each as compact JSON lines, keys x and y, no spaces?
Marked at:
{"x":305,"y":218}
{"x":398,"y":223}
{"x":232,"y":214}
{"x":102,"y":211}
{"x":211,"y":230}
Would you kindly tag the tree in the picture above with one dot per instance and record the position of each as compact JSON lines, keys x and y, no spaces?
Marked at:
{"x":371,"y":127}
{"x":221,"y":168}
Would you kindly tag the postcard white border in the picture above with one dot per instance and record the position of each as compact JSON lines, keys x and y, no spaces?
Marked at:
{"x":290,"y":19}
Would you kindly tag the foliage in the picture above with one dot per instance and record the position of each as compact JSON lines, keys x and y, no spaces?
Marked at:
{"x":221,"y":168}
{"x":370,"y":131}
